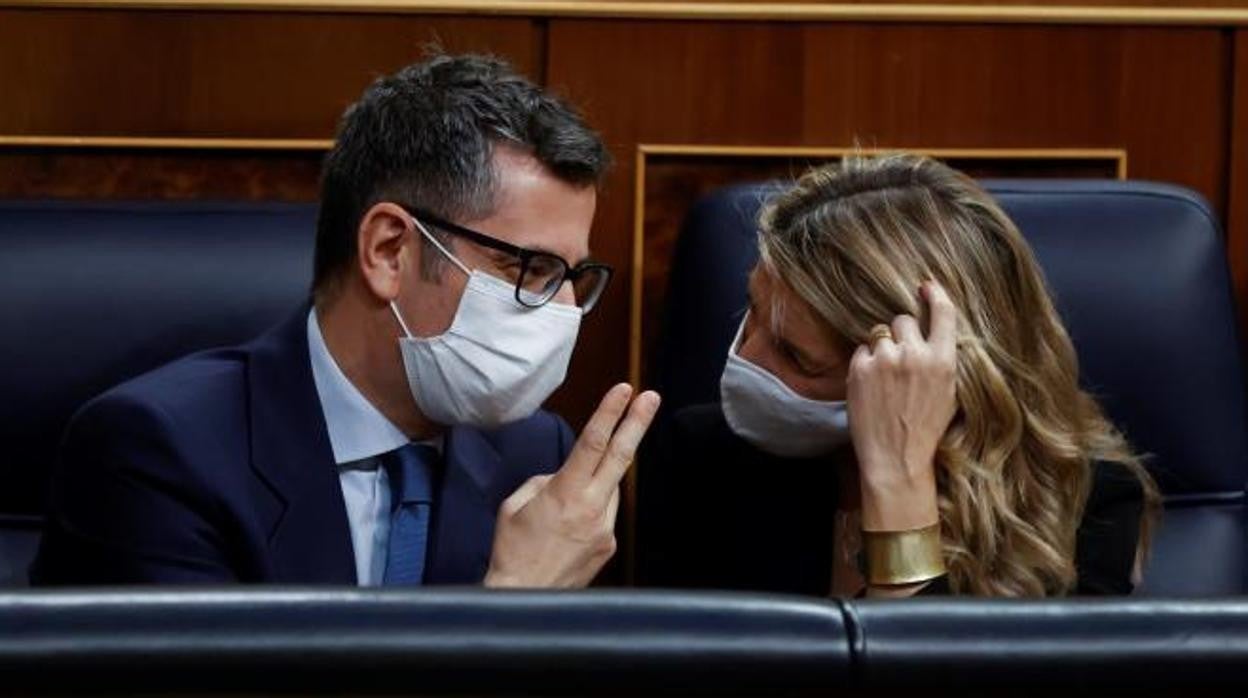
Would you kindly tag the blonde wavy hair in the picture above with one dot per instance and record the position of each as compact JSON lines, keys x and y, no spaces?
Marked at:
{"x":854,"y":241}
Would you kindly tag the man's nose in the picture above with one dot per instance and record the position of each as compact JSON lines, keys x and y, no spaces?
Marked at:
{"x":566,"y":294}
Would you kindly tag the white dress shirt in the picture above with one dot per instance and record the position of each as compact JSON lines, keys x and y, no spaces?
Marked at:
{"x":358,"y":434}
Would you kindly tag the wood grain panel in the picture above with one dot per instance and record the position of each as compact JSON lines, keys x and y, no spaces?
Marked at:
{"x":1237,"y":181}
{"x":554,"y":7}
{"x":967,"y":3}
{"x":666,"y":83}
{"x":1211,"y":13}
{"x":216,"y":74}
{"x":1159,"y":93}
{"x":167,"y":174}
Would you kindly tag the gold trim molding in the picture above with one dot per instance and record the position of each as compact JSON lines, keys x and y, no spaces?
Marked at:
{"x":1209,"y":15}
{"x":146,"y":143}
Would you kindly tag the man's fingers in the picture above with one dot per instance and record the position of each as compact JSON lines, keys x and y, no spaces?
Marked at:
{"x":624,"y":444}
{"x":595,"y":437}
{"x":944,"y":317}
{"x":524,"y":494}
{"x":613,"y":506}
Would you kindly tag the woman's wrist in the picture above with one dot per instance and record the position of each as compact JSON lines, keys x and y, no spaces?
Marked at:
{"x":898,"y":503}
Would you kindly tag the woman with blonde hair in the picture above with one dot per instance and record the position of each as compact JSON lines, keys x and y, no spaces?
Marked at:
{"x":900,"y":414}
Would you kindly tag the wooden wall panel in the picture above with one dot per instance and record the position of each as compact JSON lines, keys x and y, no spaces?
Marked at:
{"x":1162,"y":94}
{"x":663,"y":82}
{"x":790,"y":10}
{"x":216,"y":74}
{"x":1159,"y":93}
{"x":1237,"y":180}
{"x":1006,"y":3}
{"x":983,"y":3}
{"x":165,"y":174}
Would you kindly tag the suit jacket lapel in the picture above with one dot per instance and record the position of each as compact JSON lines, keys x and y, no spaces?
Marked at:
{"x":465,"y":512}
{"x":309,"y":537}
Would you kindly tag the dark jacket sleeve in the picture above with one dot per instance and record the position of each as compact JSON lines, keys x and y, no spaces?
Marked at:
{"x":671,"y":549}
{"x":685,"y":540}
{"x":1108,"y":536}
{"x":566,"y":437}
{"x":124,"y":508}
{"x":1110,"y":532}
{"x":937,"y":587}
{"x":716,"y":513}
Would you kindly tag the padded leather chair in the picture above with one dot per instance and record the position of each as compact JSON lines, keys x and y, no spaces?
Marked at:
{"x":608,"y":643}
{"x":422,"y":642}
{"x":92,"y":294}
{"x":1141,"y":280}
{"x":1089,"y":647}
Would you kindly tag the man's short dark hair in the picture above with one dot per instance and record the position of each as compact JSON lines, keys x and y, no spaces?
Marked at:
{"x":425,"y":136}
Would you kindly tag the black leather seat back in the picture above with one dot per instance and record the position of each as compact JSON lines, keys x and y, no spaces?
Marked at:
{"x":94,"y":293}
{"x":1076,"y":647}
{"x":419,"y":642}
{"x":1140,"y":277}
{"x":430,"y":642}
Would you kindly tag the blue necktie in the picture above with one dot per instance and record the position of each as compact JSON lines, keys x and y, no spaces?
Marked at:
{"x":410,"y":470}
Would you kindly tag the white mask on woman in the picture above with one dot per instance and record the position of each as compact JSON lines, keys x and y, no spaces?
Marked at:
{"x":764,"y":411}
{"x":497,"y":362}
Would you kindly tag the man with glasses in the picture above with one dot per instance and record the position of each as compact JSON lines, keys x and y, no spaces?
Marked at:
{"x":390,"y":432}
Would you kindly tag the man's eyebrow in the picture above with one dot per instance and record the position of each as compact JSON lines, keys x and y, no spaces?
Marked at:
{"x":546,"y":250}
{"x":543,"y":249}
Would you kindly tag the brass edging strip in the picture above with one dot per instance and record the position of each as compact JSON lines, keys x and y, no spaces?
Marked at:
{"x":162,"y":143}
{"x":677,"y":10}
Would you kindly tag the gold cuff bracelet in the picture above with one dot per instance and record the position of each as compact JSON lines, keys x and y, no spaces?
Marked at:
{"x":895,"y":558}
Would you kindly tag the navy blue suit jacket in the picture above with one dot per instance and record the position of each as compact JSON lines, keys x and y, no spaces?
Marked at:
{"x":218,"y":468}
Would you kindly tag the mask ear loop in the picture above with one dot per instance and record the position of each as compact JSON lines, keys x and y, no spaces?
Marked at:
{"x":441,"y":248}
{"x":395,"y":309}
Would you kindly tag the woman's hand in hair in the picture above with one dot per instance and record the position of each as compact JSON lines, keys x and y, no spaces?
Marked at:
{"x":902,"y":395}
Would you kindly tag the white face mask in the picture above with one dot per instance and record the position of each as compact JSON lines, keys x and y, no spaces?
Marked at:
{"x":764,"y":411}
{"x":497,"y":362}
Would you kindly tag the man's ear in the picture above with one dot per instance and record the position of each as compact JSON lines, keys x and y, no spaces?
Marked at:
{"x":385,"y":249}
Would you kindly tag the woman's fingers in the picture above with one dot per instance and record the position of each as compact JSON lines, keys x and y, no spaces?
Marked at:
{"x":878,"y":337}
{"x":906,"y":330}
{"x":944,"y":324}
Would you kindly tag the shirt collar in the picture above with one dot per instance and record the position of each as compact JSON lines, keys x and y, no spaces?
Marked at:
{"x":357,"y":430}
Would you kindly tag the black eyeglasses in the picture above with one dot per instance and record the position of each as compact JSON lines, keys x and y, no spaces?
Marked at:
{"x":541,"y":273}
